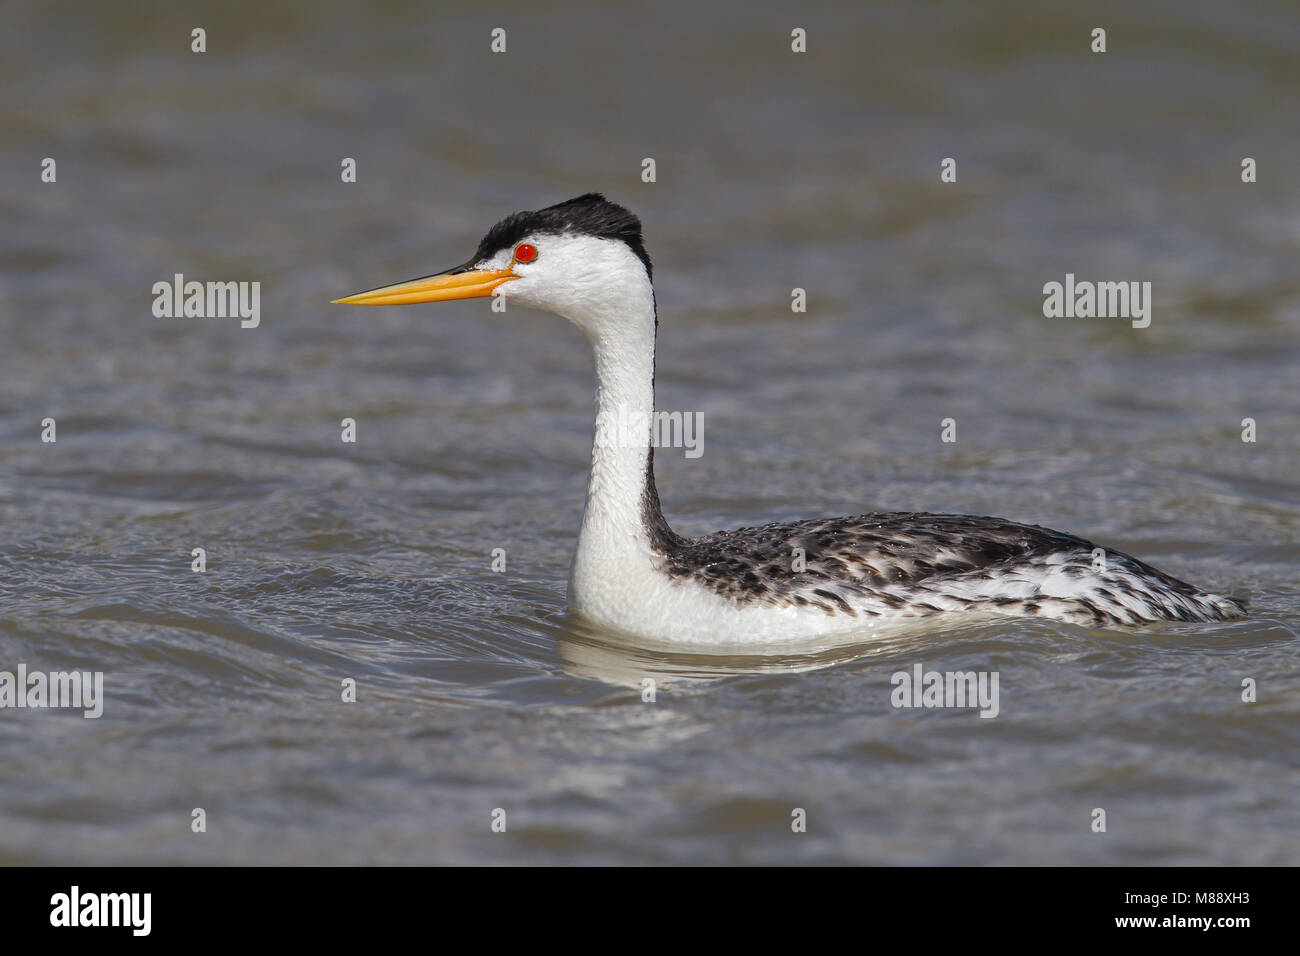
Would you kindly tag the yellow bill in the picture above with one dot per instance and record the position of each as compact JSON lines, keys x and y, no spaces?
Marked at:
{"x":473,"y":284}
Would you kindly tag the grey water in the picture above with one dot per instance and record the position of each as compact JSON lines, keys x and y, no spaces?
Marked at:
{"x":372,"y":562}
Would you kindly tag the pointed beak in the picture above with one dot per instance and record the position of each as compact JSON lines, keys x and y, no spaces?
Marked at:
{"x":453,"y":284}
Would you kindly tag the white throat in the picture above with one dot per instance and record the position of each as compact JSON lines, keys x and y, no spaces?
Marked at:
{"x":603,"y":287}
{"x":614,"y":541}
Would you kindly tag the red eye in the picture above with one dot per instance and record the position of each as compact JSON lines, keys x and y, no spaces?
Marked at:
{"x":525,"y":252}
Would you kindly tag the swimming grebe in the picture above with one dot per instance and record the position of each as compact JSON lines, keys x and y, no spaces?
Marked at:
{"x":585,"y":260}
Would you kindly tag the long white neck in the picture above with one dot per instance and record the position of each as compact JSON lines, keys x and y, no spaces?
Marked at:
{"x":621,"y":523}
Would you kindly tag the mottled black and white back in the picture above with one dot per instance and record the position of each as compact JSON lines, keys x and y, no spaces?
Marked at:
{"x":911,"y":565}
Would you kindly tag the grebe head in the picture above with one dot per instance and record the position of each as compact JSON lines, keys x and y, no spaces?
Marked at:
{"x":583,"y":259}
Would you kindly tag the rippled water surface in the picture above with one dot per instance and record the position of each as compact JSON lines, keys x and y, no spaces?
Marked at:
{"x":478,"y":690}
